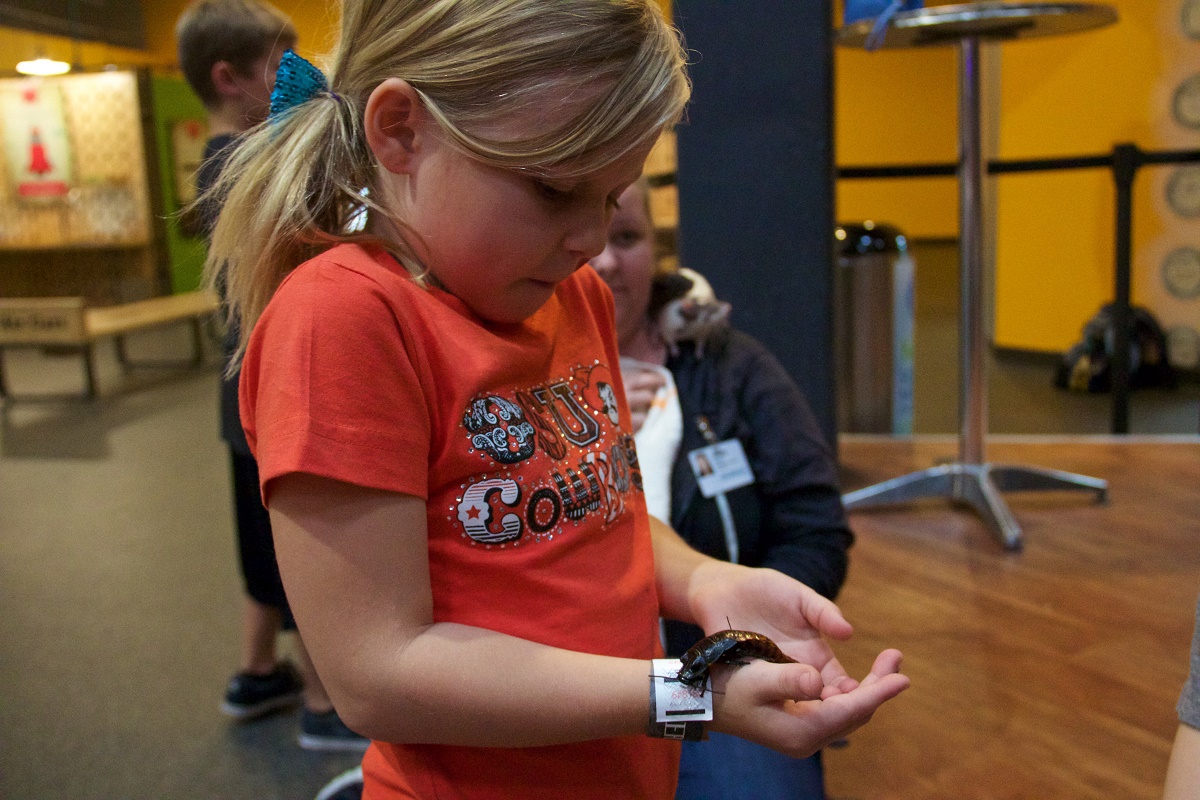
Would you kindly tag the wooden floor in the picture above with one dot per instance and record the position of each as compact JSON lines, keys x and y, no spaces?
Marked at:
{"x":1047,"y":673}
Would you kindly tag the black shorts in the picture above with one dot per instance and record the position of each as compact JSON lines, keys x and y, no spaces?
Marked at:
{"x":256,"y":549}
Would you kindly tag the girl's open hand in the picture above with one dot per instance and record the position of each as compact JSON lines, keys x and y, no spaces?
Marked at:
{"x":780,"y":705}
{"x":784,"y":610}
{"x":789,"y":707}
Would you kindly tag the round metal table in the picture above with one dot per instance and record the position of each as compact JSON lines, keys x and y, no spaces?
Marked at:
{"x":971,"y":479}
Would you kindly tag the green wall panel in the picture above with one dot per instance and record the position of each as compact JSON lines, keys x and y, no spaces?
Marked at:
{"x":175,"y":102}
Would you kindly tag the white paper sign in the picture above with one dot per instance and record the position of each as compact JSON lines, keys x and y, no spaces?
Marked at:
{"x":36,"y":146}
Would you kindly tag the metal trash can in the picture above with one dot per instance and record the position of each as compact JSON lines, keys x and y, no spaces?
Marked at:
{"x":873,"y":329}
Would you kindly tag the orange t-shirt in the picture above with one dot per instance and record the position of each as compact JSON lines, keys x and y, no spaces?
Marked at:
{"x":512,"y":434}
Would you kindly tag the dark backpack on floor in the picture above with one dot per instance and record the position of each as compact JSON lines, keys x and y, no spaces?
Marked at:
{"x":1087,"y":366}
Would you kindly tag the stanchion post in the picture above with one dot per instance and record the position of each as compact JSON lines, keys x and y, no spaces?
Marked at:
{"x":1126,"y":158}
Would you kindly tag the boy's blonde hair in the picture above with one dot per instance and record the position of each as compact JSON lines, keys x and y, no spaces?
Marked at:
{"x":293,"y":186}
{"x":239,"y":32}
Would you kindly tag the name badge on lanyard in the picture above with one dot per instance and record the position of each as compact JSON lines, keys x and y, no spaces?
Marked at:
{"x":721,"y":467}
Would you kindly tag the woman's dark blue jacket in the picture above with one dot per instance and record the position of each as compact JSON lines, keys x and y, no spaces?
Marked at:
{"x":791,"y":519}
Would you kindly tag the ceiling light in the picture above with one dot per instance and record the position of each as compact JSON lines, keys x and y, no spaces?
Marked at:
{"x":43,"y":66}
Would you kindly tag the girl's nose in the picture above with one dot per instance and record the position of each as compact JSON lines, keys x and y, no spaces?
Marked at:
{"x":589,"y":234}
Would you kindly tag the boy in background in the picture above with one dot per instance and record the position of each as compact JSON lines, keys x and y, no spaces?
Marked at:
{"x":229,"y":51}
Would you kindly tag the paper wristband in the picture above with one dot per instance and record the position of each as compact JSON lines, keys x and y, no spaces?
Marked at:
{"x":677,"y":711}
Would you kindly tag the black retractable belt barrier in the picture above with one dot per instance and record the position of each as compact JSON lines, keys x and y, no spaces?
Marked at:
{"x":1124,"y":161}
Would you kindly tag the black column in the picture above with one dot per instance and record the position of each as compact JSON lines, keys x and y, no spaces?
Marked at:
{"x":756,"y":176}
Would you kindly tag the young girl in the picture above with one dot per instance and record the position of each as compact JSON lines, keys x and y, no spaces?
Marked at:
{"x":439,"y":422}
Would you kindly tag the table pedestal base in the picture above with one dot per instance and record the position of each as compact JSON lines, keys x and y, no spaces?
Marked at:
{"x":979,"y":486}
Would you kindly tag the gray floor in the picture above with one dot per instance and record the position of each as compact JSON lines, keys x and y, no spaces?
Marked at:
{"x":119,"y":587}
{"x":1021,"y":396}
{"x":119,"y":595}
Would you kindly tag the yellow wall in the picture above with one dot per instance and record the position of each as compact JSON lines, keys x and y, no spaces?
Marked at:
{"x":1075,"y":94}
{"x":897,"y":107}
{"x":315,"y":21}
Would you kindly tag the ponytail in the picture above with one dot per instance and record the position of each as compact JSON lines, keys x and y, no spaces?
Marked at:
{"x":288,"y":192}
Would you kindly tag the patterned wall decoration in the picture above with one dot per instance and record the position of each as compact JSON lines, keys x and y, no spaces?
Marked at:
{"x":1167,"y":266}
{"x":106,"y":201}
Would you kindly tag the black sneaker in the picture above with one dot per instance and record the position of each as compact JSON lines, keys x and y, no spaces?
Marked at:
{"x":328,"y":732}
{"x":347,"y":786}
{"x":251,"y":696}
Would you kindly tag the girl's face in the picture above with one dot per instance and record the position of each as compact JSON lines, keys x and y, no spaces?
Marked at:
{"x":502,"y":240}
{"x":627,"y":263}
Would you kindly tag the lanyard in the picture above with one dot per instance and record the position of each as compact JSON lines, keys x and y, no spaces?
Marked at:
{"x":731,"y":540}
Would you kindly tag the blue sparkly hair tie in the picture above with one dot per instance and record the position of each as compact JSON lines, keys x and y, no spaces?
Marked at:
{"x":296,"y":82}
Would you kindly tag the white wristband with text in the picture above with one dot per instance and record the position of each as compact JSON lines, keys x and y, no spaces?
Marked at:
{"x":677,"y":710}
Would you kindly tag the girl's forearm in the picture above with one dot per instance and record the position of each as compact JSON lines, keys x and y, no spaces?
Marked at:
{"x":460,"y":685}
{"x":356,"y":566}
{"x":679,"y":569}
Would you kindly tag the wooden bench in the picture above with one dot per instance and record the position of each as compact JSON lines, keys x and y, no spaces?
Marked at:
{"x":69,"y":322}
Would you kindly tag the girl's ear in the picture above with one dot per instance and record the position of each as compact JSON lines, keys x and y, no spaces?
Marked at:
{"x":394,"y":121}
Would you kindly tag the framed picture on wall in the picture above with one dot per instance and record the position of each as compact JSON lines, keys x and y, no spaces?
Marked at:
{"x":37,"y":150}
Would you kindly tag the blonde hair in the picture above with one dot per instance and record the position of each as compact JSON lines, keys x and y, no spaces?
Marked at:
{"x":291,"y":188}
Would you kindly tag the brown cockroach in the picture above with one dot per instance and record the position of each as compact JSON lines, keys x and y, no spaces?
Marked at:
{"x":727,"y":647}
